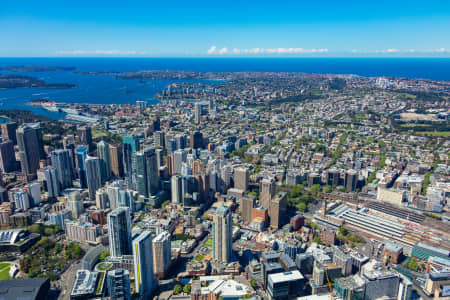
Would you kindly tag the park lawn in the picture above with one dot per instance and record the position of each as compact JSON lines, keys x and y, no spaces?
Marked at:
{"x":209,"y":243}
{"x":4,"y":265}
{"x":4,"y":271}
{"x":444,"y":134}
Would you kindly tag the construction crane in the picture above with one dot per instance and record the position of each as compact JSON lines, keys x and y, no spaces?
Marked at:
{"x":329,"y":284}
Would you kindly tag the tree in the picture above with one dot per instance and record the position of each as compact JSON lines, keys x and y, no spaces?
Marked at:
{"x":177,"y":289}
{"x":328,"y":189}
{"x":253,"y":282}
{"x":301,"y":206}
{"x":317,"y":240}
{"x":104,"y":255}
{"x":316,"y":188}
{"x":343,"y":231}
{"x":187,"y":289}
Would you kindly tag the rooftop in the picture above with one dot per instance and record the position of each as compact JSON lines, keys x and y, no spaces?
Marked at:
{"x":285,"y":276}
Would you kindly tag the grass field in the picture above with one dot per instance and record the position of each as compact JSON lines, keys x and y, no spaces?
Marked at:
{"x":412,"y":125}
{"x":444,"y":134}
{"x":209,"y":243}
{"x":4,"y":271}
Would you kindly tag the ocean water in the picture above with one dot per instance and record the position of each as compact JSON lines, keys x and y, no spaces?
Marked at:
{"x":104,"y":89}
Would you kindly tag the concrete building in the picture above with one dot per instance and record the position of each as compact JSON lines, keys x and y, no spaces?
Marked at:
{"x":241,"y":178}
{"x":246,"y":207}
{"x":198,"y":113}
{"x":222,"y":224}
{"x":285,"y":285}
{"x":267,"y":192}
{"x":277,"y":210}
{"x":82,"y":231}
{"x":74,"y":204}
{"x":176,"y":189}
{"x":162,"y":254}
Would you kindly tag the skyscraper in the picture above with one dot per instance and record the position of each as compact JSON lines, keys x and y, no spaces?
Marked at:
{"x":143,"y":264}
{"x":246,"y":207}
{"x":74,"y":204}
{"x":9,"y":132}
{"x":119,"y":231}
{"x":222,"y":224}
{"x":196,"y":140}
{"x":159,"y":139}
{"x":118,"y":283}
{"x":130,"y":145}
{"x":176,"y":189}
{"x":351,"y":179}
{"x":267,"y":192}
{"x":93,"y":176}
{"x":241,"y":178}
{"x":105,"y":161}
{"x":146,"y":172}
{"x":51,"y":182}
{"x":29,"y":149}
{"x":198,"y":112}
{"x":162,"y":254}
{"x":85,"y":136}
{"x":8,"y":161}
{"x":34,"y":190}
{"x":159,"y":158}
{"x":22,"y":199}
{"x":179,"y":157}
{"x":61,"y":161}
{"x":81,"y":153}
{"x":277,"y":210}
{"x":116,"y":158}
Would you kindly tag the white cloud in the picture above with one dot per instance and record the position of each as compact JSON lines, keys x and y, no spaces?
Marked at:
{"x":214,"y":51}
{"x":441,"y":50}
{"x":100,"y":52}
{"x":223,"y":51}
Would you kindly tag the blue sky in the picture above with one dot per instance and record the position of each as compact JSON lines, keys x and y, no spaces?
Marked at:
{"x":225,"y":28}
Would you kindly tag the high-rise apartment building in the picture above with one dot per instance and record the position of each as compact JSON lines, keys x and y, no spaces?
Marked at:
{"x":119,"y":231}
{"x":143,"y":264}
{"x":145,"y":170}
{"x":162,"y":254}
{"x":118,"y":283}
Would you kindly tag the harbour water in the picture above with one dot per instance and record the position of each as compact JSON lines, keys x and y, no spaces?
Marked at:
{"x":105,"y":89}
